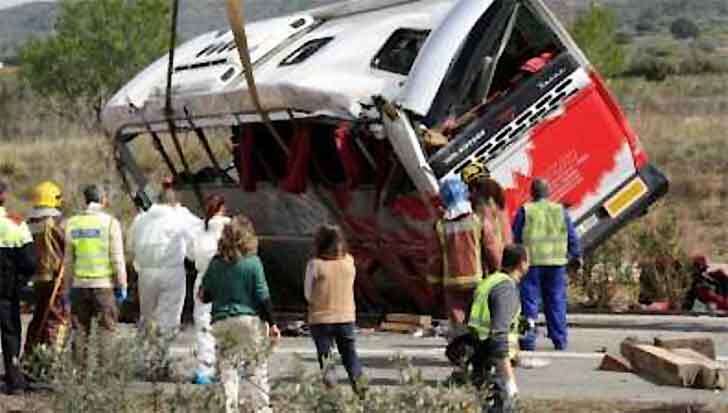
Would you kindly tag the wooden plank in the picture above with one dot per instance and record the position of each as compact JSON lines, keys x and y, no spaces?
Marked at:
{"x":615,"y":364}
{"x":399,"y":327}
{"x":711,"y":375}
{"x":703,"y":345}
{"x":660,"y":365}
{"x":424,"y":321}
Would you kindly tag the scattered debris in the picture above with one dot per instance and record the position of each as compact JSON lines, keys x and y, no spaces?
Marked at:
{"x":530,"y":363}
{"x":294,"y":329}
{"x":407,"y":323}
{"x":702,"y":345}
{"x":615,"y":364}
{"x":677,"y":367}
{"x":424,"y":321}
{"x":399,"y":327}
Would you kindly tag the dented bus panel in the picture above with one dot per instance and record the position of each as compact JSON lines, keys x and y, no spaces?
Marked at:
{"x":356,"y":90}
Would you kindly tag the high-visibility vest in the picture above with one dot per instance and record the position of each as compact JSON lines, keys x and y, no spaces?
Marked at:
{"x":12,"y":234}
{"x":480,"y":319}
{"x":460,"y":242}
{"x":545,"y":234}
{"x":90,"y":235}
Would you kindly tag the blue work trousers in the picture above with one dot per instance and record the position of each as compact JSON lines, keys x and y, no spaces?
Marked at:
{"x":550,"y":284}
{"x":324,"y":336}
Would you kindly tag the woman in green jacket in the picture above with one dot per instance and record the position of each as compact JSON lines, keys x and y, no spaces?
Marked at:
{"x":242,"y":313}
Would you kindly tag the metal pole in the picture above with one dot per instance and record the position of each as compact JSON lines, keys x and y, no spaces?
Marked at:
{"x":236,"y":19}
{"x":168,"y":104}
{"x":170,"y":63}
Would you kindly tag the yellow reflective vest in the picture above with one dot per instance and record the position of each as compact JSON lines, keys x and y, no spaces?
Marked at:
{"x":461,"y":243}
{"x":90,"y":237}
{"x":545,"y":234}
{"x":480,"y":318}
{"x":12,"y":234}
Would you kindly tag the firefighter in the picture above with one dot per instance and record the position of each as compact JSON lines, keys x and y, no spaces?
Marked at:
{"x":546,"y":230}
{"x":94,"y":260}
{"x":459,"y":234}
{"x":17,"y":265}
{"x":494,"y":324}
{"x":160,"y":239}
{"x":51,"y":316}
{"x":489,"y":203}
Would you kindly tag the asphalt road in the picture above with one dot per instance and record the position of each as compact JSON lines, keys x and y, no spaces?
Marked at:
{"x":569,"y":375}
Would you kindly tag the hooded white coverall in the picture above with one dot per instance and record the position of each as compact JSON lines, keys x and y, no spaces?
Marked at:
{"x":160,"y":239}
{"x":203,"y":250}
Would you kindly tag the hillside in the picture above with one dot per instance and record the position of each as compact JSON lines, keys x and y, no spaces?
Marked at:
{"x":19,"y":23}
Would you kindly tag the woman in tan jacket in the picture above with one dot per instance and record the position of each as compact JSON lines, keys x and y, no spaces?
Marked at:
{"x":329,"y":290}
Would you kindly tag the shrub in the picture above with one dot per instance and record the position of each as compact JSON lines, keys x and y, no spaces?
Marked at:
{"x":673,"y":58}
{"x":102,"y":373}
{"x":664,"y":259}
{"x":684,"y":28}
{"x":609,"y":278}
{"x":596,"y":33}
{"x":123,"y":375}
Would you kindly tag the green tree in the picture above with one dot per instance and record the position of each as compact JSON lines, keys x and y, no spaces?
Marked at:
{"x":96,"y":48}
{"x":684,"y":28}
{"x":596,"y":33}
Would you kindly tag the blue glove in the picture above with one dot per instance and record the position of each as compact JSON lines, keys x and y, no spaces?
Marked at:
{"x":65,"y":301}
{"x":120,"y":293}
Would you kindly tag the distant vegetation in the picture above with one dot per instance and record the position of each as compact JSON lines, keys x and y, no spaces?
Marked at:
{"x":596,"y":31}
{"x":660,"y":38}
{"x":96,"y":48}
{"x":19,"y":24}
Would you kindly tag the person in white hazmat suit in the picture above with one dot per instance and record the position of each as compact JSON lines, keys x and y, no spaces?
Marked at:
{"x":203,"y":250}
{"x":160,"y":240}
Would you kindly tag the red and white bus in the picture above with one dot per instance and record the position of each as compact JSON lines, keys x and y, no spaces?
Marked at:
{"x":352,"y":91}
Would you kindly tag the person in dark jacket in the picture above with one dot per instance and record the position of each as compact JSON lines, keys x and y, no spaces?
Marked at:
{"x":17,"y":265}
{"x":52,"y":313}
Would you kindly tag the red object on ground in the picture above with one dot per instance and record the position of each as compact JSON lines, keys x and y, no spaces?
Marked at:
{"x":657,"y":306}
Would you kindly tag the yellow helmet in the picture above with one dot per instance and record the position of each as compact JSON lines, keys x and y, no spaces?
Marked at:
{"x":474,"y":171}
{"x":47,"y":195}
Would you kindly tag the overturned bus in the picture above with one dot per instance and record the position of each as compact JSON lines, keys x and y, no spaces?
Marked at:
{"x":371,"y":104}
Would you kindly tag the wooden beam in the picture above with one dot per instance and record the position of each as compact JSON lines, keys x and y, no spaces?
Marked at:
{"x":399,"y":327}
{"x":677,"y":368}
{"x":702,"y":345}
{"x":424,"y":321}
{"x":615,"y":364}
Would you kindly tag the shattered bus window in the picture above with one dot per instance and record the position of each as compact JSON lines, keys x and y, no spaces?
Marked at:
{"x":156,"y":149}
{"x":399,"y":53}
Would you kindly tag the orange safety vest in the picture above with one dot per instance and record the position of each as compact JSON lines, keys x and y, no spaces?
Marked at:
{"x":460,"y":241}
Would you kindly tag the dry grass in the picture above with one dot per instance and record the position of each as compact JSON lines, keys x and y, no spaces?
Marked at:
{"x":72,"y":162}
{"x":682,"y":123}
